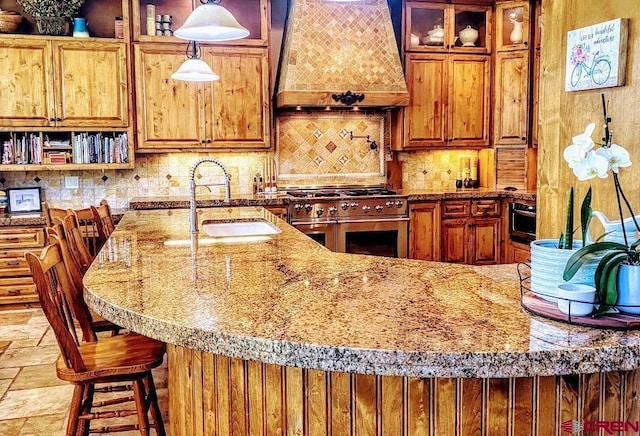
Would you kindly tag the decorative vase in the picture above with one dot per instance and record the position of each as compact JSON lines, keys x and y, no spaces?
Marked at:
{"x":516,"y":34}
{"x":468,"y":36}
{"x":628,"y":286}
{"x":547,"y":267}
{"x":80,"y":28}
{"x":51,"y":25}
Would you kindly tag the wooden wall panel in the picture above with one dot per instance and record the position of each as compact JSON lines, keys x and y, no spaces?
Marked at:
{"x":392,"y":404}
{"x":566,"y":114}
{"x":317,"y":402}
{"x":217,"y":395}
{"x":523,"y":406}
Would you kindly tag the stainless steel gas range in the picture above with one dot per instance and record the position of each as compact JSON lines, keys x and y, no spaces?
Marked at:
{"x":363,"y":220}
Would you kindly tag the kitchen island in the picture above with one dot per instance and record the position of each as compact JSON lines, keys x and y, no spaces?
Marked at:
{"x":278,"y":335}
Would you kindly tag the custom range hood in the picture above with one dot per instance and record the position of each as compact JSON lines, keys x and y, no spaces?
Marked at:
{"x":340,"y":53}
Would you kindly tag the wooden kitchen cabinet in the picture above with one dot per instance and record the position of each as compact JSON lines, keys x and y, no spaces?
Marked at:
{"x":424,"y":231}
{"x":16,"y":283}
{"x":254,"y":15}
{"x":449,"y":100}
{"x":512,"y":106}
{"x":512,"y":20}
{"x":233,"y":112}
{"x":471,"y":231}
{"x":63,"y":87}
{"x":63,"y":83}
{"x":424,"y":17}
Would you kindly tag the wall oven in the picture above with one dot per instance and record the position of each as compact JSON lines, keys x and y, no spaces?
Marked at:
{"x":522,"y":222}
{"x":362,"y":221}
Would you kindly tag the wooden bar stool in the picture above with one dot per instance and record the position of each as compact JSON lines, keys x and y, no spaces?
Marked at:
{"x":85,"y":223}
{"x":74,"y":267}
{"x":103,"y":221}
{"x":123,"y":358}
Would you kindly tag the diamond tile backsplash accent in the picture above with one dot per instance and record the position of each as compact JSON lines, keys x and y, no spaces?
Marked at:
{"x":331,"y":158}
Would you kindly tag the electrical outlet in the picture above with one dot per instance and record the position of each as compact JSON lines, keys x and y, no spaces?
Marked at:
{"x":71,"y":182}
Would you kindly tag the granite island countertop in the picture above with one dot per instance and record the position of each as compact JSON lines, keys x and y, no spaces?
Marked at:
{"x":289,"y":301}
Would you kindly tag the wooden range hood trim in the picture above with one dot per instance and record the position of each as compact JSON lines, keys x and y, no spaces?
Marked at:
{"x":324,"y":99}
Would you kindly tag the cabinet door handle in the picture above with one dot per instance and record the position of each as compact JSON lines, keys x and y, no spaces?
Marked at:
{"x":52,"y":119}
{"x":58,"y":119}
{"x":208,"y":141}
{"x":13,"y":263}
{"x":14,"y":292}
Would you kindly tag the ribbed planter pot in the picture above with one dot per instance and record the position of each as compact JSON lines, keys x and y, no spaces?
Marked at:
{"x":628,"y":282}
{"x":547,"y":267}
{"x":52,"y":26}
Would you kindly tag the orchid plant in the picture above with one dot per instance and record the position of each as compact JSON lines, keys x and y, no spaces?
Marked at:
{"x":588,"y":162}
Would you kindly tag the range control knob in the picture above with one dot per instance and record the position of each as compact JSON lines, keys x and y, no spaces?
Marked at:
{"x":379,"y":207}
{"x":344,"y":206}
{"x":366,"y":208}
{"x":354,"y":205}
{"x":333,"y":210}
{"x":308,"y":207}
{"x":389,"y":203}
{"x":297,"y":207}
{"x":320,"y":211}
{"x":398,"y":204}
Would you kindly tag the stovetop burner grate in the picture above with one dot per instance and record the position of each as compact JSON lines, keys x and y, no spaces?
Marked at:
{"x":339,"y":192}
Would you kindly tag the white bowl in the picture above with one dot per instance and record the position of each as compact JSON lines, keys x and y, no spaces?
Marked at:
{"x":576,"y":299}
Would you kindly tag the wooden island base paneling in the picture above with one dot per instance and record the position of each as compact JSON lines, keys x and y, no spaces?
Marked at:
{"x":216,"y":395}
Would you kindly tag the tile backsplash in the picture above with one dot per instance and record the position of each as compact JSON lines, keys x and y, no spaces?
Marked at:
{"x":331,"y":149}
{"x":433,"y":169}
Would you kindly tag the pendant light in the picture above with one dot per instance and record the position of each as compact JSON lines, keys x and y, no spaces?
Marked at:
{"x":194,"y":69}
{"x":211,"y":22}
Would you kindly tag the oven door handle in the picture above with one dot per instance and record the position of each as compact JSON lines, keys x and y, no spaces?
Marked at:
{"x":374,"y":220}
{"x":524,"y":213}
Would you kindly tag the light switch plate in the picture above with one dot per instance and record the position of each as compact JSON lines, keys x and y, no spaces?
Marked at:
{"x":71,"y":182}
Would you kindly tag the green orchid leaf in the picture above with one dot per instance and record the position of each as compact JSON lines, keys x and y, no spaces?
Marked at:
{"x":568,"y":228}
{"x":585,"y":216}
{"x":606,"y":277}
{"x":608,"y":257}
{"x":584,"y":254}
{"x":561,"y":241}
{"x":635,"y":245}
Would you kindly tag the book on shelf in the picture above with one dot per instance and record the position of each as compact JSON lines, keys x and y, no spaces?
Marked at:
{"x":22,"y":150}
{"x":99,"y":148}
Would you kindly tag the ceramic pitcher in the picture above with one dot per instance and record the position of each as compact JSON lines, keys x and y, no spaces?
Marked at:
{"x":613,"y":229}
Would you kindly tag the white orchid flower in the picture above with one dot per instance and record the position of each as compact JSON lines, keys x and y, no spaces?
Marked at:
{"x":574,"y":154}
{"x":591,"y":166}
{"x":616,"y":155}
{"x":581,"y":145}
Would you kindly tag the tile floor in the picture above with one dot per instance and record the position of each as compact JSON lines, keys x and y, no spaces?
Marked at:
{"x":32,"y":399}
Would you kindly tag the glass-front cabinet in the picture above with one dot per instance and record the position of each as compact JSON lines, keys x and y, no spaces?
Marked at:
{"x":448,"y":27}
{"x":512,"y":25}
{"x":156,"y":20}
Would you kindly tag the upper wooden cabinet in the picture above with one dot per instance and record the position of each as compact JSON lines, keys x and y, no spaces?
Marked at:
{"x":449,"y":100}
{"x":512,"y":25}
{"x":63,"y":82}
{"x":230,"y":113}
{"x":252,"y":14}
{"x":511,"y":121}
{"x":447,"y":27}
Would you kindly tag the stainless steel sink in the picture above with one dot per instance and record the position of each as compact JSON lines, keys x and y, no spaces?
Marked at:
{"x":239,"y":228}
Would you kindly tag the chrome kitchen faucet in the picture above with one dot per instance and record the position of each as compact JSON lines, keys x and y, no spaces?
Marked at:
{"x":193,"y":219}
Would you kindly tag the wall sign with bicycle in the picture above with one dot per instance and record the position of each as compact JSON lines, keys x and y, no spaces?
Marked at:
{"x":597,"y":55}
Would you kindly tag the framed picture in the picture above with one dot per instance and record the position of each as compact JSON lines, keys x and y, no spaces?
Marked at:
{"x":597,"y":55}
{"x":24,"y":200}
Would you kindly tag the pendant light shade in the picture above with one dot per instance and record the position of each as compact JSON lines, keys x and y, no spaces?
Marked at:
{"x":195,"y":70}
{"x":209,"y":23}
